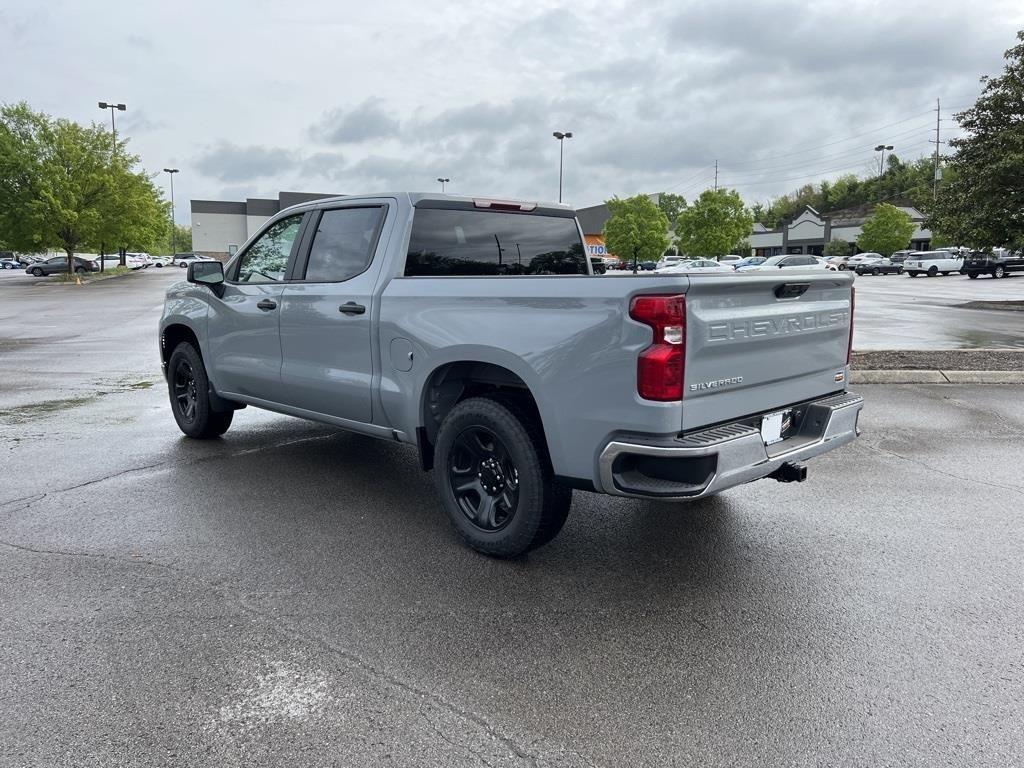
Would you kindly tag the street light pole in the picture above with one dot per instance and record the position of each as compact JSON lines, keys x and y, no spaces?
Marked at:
{"x":113,"y":128}
{"x":443,"y":182}
{"x":561,"y":145}
{"x":174,"y":241}
{"x":881,"y":161}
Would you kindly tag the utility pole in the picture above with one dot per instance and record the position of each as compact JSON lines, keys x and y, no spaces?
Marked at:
{"x":938,"y":173}
{"x":716,"y":175}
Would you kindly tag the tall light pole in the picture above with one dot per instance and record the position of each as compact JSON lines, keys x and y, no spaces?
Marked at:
{"x":881,"y":160}
{"x":174,"y":241}
{"x":443,"y":182}
{"x":561,"y":145}
{"x":113,"y":128}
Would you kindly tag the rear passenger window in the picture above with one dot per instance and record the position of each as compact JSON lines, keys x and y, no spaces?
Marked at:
{"x":343,"y":244}
{"x":469,"y":242}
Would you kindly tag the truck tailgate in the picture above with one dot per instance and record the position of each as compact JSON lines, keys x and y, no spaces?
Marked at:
{"x":759,"y":341}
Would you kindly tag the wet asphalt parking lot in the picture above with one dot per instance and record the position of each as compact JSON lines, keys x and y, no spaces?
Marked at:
{"x":292,"y":595}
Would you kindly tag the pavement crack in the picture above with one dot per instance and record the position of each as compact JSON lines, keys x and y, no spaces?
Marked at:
{"x":391,"y":679}
{"x":942,"y":472}
{"x":90,"y":555}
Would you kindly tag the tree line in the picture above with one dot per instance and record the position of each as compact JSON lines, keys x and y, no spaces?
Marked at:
{"x":69,"y":187}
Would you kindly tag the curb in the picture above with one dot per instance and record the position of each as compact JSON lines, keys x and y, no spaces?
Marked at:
{"x":936,"y":377}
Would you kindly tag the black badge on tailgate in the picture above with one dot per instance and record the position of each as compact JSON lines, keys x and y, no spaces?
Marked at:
{"x":791,"y":290}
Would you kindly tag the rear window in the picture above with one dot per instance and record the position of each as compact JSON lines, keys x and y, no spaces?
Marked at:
{"x":463,"y":243}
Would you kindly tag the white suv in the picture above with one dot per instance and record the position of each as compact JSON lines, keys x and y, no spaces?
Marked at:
{"x":932,"y":263}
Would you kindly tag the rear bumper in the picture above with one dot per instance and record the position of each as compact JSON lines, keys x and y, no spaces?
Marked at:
{"x":704,"y":463}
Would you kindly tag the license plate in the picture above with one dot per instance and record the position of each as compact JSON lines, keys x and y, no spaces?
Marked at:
{"x":772,"y":427}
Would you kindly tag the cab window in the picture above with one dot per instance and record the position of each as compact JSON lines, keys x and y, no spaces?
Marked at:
{"x":267,"y":259}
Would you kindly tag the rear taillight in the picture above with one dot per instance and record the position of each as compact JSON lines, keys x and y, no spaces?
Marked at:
{"x":660,"y":367}
{"x":849,"y":343}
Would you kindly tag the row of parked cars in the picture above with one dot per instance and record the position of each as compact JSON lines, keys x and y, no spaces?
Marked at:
{"x":999,"y":263}
{"x":41,"y":266}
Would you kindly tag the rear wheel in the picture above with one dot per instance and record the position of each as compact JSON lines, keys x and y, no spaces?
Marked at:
{"x":494,"y":478}
{"x":899,"y":271}
{"x":932,"y":271}
{"x":79,"y":270}
{"x":190,"y":395}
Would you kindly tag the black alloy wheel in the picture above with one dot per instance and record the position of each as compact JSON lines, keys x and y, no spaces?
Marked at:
{"x":999,"y":272}
{"x":932,"y":271}
{"x":184,"y":391}
{"x":484,"y":479}
{"x":37,"y":272}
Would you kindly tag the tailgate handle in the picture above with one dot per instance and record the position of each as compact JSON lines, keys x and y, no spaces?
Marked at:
{"x":791,"y":290}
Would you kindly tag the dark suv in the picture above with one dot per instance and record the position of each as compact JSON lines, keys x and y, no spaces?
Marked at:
{"x":60,"y":264}
{"x":995,"y":264}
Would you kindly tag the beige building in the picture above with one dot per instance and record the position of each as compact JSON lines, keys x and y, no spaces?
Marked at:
{"x":809,"y":231}
{"x":219,"y":227}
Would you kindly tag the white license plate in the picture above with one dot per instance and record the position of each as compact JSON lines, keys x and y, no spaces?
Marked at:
{"x":771,"y":427}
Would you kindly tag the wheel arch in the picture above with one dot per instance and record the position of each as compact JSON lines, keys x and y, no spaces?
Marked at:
{"x":451,"y":382}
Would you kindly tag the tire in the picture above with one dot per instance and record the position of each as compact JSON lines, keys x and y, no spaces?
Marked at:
{"x":159,"y":265}
{"x":189,"y":391}
{"x":37,"y":272}
{"x":182,"y":264}
{"x":899,"y":271}
{"x":945,"y":274}
{"x":999,"y":272}
{"x":972,"y":275}
{"x":912,"y":274}
{"x":514,"y":503}
{"x":876,"y":271}
{"x":79,"y":270}
{"x":932,"y":271}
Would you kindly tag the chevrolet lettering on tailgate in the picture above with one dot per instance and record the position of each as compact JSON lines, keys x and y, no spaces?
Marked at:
{"x":730,"y":330}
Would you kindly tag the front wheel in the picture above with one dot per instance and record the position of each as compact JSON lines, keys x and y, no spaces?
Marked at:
{"x":912,"y":274}
{"x":932,"y":272}
{"x":190,"y":395}
{"x":876,"y":271}
{"x":999,"y":272}
{"x":494,"y":478}
{"x":37,"y":272}
{"x":972,"y":275}
{"x":79,"y":270}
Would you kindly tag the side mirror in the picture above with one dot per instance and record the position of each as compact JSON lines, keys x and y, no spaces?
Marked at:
{"x":208,"y":273}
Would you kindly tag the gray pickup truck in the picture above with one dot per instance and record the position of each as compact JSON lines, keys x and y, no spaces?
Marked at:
{"x":475,"y":330}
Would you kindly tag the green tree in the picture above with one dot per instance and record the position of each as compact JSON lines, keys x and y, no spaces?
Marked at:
{"x":714,"y":224}
{"x":671,"y":205}
{"x":63,"y":185}
{"x":837,"y":247}
{"x":983,"y":204}
{"x":134,"y":215}
{"x":889,"y":229}
{"x":636,"y":230}
{"x":182,"y":239}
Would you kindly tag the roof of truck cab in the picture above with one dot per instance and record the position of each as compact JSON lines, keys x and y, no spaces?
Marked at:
{"x":416,"y":198}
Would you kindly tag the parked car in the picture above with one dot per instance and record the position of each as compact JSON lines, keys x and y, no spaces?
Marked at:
{"x":900,"y":257}
{"x":161,"y":261}
{"x":932,"y":263}
{"x":730,"y":258}
{"x":791,"y":261}
{"x":648,"y":266}
{"x":748,"y":263}
{"x":668,"y":261}
{"x":696,"y":265}
{"x":998,"y":263}
{"x":522,"y":379}
{"x":9,"y":264}
{"x":184,"y":259}
{"x":839,"y":262}
{"x":860,"y":258}
{"x":880,"y":266}
{"x":58,"y":264}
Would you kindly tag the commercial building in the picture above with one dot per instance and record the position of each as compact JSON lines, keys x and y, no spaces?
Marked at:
{"x":809,"y":231}
{"x":219,"y":227}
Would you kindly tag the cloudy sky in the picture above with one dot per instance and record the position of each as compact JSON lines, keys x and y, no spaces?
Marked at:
{"x":249,"y":98}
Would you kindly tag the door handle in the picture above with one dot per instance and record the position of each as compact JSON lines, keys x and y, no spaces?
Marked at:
{"x":351,"y":308}
{"x":267,"y":304}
